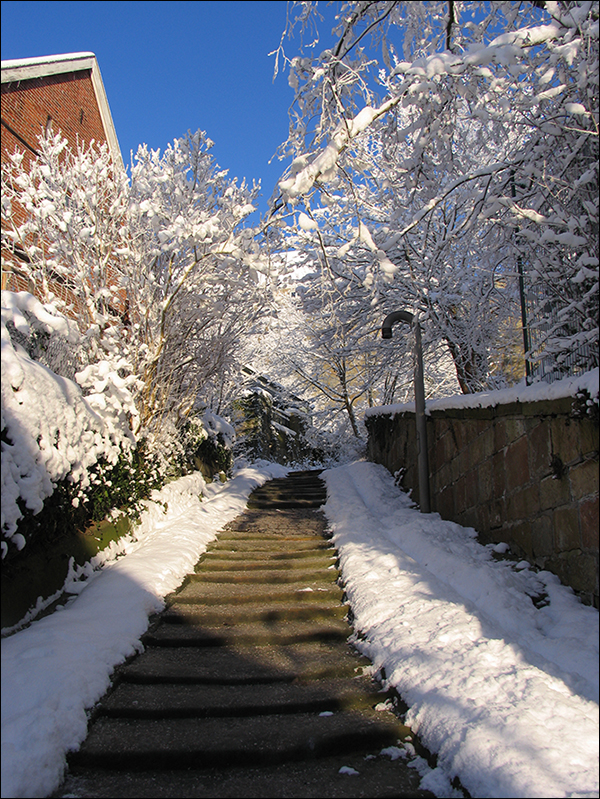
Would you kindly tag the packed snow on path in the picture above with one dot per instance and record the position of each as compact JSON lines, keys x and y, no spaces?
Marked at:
{"x":505,"y":694}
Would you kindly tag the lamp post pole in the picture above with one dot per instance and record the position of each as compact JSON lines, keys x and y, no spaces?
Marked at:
{"x":422,"y":456}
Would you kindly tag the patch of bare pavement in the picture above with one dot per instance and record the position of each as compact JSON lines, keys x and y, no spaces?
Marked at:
{"x":248,"y":686}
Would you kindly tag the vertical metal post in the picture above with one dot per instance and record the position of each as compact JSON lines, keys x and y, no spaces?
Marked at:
{"x":524,"y":324}
{"x":420,"y":418}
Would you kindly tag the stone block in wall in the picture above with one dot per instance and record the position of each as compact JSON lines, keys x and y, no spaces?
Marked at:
{"x":437,"y":451}
{"x":520,"y":539}
{"x":588,"y":437}
{"x":465,"y":433}
{"x":455,"y":472}
{"x":540,"y":447}
{"x":500,"y":438}
{"x":450,"y":444}
{"x":460,"y":494}
{"x":499,"y":472}
{"x":443,"y":502}
{"x":542,"y":538}
{"x":583,"y":478}
{"x":449,"y":449}
{"x":554,"y":492}
{"x":524,"y":503}
{"x":514,"y":428}
{"x":485,"y":481}
{"x":566,"y":528}
{"x":497,"y":513}
{"x":487,"y":443}
{"x":565,"y":439}
{"x":443,"y":477}
{"x":588,"y":516}
{"x":516,"y":463}
{"x":471,"y":493}
{"x":476,"y":450}
{"x":464,"y":460}
{"x":551,"y":407}
{"x":577,"y":569}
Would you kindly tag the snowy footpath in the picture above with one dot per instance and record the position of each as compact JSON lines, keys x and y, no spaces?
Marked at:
{"x":505,"y":693}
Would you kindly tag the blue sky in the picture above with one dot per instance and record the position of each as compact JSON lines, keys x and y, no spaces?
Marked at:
{"x":172,"y":66}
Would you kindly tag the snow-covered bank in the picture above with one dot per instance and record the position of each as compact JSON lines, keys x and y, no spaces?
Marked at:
{"x":504,"y":693}
{"x":60,"y":665}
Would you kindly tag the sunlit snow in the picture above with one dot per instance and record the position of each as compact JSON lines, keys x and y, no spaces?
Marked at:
{"x":504,"y":693}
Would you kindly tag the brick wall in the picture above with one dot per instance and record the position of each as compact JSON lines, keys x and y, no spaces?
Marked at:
{"x":67,"y":100}
{"x":64,"y":102}
{"x":524,"y":473}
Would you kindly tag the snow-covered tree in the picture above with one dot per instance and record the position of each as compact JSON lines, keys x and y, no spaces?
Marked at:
{"x":156,"y":270}
{"x":326,"y":333}
{"x":193,"y":277}
{"x":461,"y":149}
{"x":140,"y":288}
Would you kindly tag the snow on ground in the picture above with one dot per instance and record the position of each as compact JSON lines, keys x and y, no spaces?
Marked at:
{"x":504,"y":693}
{"x":61,"y":664}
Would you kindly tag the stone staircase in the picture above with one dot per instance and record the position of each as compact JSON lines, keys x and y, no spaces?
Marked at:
{"x":297,"y":490}
{"x":247,"y":686}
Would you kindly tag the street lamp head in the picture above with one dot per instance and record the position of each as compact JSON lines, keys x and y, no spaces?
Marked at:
{"x":392,"y":318}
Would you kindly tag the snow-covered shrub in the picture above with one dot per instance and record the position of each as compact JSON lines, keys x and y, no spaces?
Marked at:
{"x":586,"y":405}
{"x":207,"y":442}
{"x":269,"y":426}
{"x":120,"y":486}
{"x":51,"y":433}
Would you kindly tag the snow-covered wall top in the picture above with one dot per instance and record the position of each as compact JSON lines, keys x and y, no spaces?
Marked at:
{"x":538,"y":392}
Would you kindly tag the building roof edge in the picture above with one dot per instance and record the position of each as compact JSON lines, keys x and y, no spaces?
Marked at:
{"x":41,"y":66}
{"x":19,"y":69}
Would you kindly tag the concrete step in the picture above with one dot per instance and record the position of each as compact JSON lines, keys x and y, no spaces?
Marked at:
{"x":302,"y":490}
{"x":271,"y":544}
{"x":255,"y":503}
{"x":196,"y":590}
{"x":188,"y":613}
{"x":207,"y":742}
{"x":244,"y":665}
{"x":306,"y":575}
{"x":258,"y":633}
{"x":287,"y":489}
{"x":145,"y":701}
{"x":373,"y":776}
{"x":274,"y":492}
{"x":271,"y":555}
{"x":270,"y":561}
{"x":291,"y":523}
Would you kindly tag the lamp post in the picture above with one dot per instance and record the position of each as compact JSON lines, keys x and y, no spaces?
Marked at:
{"x":422,"y":457}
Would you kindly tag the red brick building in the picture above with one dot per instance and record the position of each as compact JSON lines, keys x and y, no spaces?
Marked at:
{"x":57,"y":92}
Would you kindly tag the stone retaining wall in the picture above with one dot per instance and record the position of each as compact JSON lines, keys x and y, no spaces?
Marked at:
{"x":523,"y":473}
